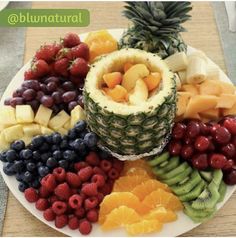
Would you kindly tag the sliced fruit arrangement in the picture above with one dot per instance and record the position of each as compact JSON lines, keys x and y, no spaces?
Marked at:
{"x":63,"y":175}
{"x":56,"y":76}
{"x":21,"y":123}
{"x":130,"y":129}
{"x":138,"y":203}
{"x":199,"y":191}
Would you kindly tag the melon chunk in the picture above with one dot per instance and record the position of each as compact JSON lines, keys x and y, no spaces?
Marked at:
{"x":210,"y":87}
{"x":24,"y":114}
{"x":193,"y":89}
{"x":200,"y":103}
{"x":7,"y":115}
{"x":152,"y":80}
{"x":118,"y":93}
{"x":31,"y":129}
{"x":140,"y":93}
{"x":226,"y":88}
{"x":43,"y":115}
{"x":230,"y":111}
{"x":182,"y":102}
{"x":226,"y":101}
{"x":112,"y":79}
{"x":59,"y":120}
{"x":212,"y":114}
{"x":13,"y":133}
{"x":127,"y":66}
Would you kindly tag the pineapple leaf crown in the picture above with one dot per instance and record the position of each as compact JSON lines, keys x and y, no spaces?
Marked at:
{"x":159,"y":18}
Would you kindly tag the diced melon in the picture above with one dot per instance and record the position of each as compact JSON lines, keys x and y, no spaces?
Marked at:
{"x":230,"y":111}
{"x":67,"y":125}
{"x":193,"y":89}
{"x":43,"y":115}
{"x":139,"y":94}
{"x":127,"y":66}
{"x":77,"y":114}
{"x":59,"y":120}
{"x":226,"y":101}
{"x":13,"y":133}
{"x":226,"y":88}
{"x":118,"y":93}
{"x":24,"y":114}
{"x":62,"y":131}
{"x":31,"y":130}
{"x":152,"y":80}
{"x":7,"y":115}
{"x":182,"y":102}
{"x":212,"y":114}
{"x":210,"y":87}
{"x":46,"y":130}
{"x":112,"y":79}
{"x":200,"y":103}
{"x":4,"y":145}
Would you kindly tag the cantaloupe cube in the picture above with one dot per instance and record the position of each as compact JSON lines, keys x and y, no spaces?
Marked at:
{"x":7,"y":115}
{"x":46,"y":130}
{"x":59,"y":120}
{"x":226,"y":88}
{"x":230,"y":111}
{"x":200,"y":103}
{"x":127,"y":66}
{"x":152,"y":80}
{"x":112,"y":79}
{"x":31,"y":130}
{"x":118,"y":93}
{"x":4,"y":145}
{"x":226,"y":101}
{"x":43,"y":115}
{"x":210,"y":87}
{"x":77,"y":114}
{"x":24,"y":114}
{"x":182,"y":102}
{"x":212,"y":114}
{"x":190,"y":88}
{"x":13,"y":133}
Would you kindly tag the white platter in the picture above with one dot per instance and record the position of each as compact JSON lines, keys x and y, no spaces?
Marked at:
{"x":183,"y":223}
{"x":3,"y":4}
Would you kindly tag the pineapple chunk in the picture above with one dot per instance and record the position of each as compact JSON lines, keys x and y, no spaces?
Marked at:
{"x":67,"y":125}
{"x":27,"y":139}
{"x":140,"y":93}
{"x":182,"y":102}
{"x":13,"y":133}
{"x":31,"y":130}
{"x":77,"y":114}
{"x":230,"y":111}
{"x":193,"y":89}
{"x":226,"y":101}
{"x":62,"y":131}
{"x":59,"y":120}
{"x":24,"y":114}
{"x":3,"y":126}
{"x":4,"y":145}
{"x":210,"y":87}
{"x":46,"y":130}
{"x":7,"y":115}
{"x":43,"y":115}
{"x":212,"y":114}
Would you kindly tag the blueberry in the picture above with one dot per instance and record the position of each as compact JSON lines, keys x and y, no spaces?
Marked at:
{"x":51,"y":162}
{"x":57,"y":154}
{"x":18,"y":145}
{"x":26,"y":154}
{"x":8,"y":169}
{"x":28,"y":176}
{"x":31,"y":166}
{"x":43,"y":171}
{"x":19,"y":166}
{"x":63,"y":163}
{"x":3,"y":156}
{"x":19,"y":177}
{"x":44,"y":147}
{"x":31,"y":147}
{"x":55,"y":147}
{"x":72,"y":134}
{"x":35,"y":184}
{"x":91,"y":139}
{"x":48,"y":139}
{"x":79,"y":145}
{"x":64,"y":144}
{"x":83,"y":134}
{"x":69,"y":155}
{"x":36,"y":156}
{"x":56,"y":138}
{"x":11,"y":155}
{"x":80,"y":126}
{"x":37,"y":141}
{"x":39,"y":164}
{"x":65,"y":137}
{"x":22,"y":186}
{"x":45,"y":156}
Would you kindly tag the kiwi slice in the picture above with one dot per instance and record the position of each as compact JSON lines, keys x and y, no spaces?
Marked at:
{"x":159,"y":159}
{"x":206,"y":175}
{"x":217,"y":177}
{"x":208,"y":198}
{"x":177,"y":178}
{"x":163,"y":164}
{"x":194,"y":193}
{"x":178,"y":170}
{"x":187,"y":185}
{"x":222,"y":191}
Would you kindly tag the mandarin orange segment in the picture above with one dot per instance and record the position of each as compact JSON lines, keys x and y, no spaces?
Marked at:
{"x":161,"y":197}
{"x":144,"y":227}
{"x":119,"y":217}
{"x":145,"y":188}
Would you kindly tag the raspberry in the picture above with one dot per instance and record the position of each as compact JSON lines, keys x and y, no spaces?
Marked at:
{"x":80,"y":212}
{"x":61,"y":221}
{"x":74,"y":191}
{"x":59,"y":207}
{"x":73,"y":223}
{"x":49,"y":182}
{"x":118,"y":165}
{"x":60,"y":174}
{"x":75,"y":201}
{"x":49,"y":215}
{"x":92,"y":215}
{"x":98,"y":179}
{"x":73,"y":180}
{"x":43,"y":192}
{"x":63,"y":191}
{"x":85,"y":173}
{"x":42,"y":204}
{"x":100,"y":197}
{"x":31,"y":195}
{"x":53,"y":199}
{"x":85,"y":227}
{"x":98,"y":170}
{"x":105,"y":190}
{"x":90,"y":189}
{"x":92,"y":159}
{"x":90,"y":203}
{"x":80,"y":165}
{"x":105,"y":165}
{"x":113,"y":174}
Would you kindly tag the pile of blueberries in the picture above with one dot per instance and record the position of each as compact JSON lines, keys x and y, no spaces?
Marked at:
{"x":31,"y":163}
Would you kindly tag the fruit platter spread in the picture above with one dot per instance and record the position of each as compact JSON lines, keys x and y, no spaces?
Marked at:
{"x":130,"y":134}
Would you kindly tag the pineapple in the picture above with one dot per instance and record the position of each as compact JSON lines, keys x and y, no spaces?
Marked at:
{"x":130,"y":131}
{"x":156,"y":27}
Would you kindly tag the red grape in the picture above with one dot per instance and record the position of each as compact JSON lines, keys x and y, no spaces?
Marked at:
{"x":178,"y":130}
{"x":229,"y":165}
{"x":51,"y":87}
{"x":57,"y":97}
{"x":47,"y":101}
{"x":228,"y":150}
{"x":217,"y":161}
{"x":188,"y":141}
{"x":16,"y":101}
{"x":68,"y":86}
{"x":72,"y":105}
{"x":200,"y":161}
{"x":222,"y":135}
{"x":7,"y":101}
{"x":187,"y":152}
{"x":202,"y":143}
{"x":175,"y":147}
{"x":34,"y":104}
{"x":213,"y":129}
{"x":29,"y":94}
{"x":80,"y":101}
{"x":39,"y":95}
{"x":52,"y":79}
{"x":43,"y":88}
{"x":230,"y":177}
{"x":193,"y":129}
{"x":205,"y":129}
{"x":230,"y":124}
{"x":69,"y":96}
{"x":31,"y":84}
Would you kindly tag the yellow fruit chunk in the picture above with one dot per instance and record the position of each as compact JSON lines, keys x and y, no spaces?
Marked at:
{"x":152,"y":80}
{"x":193,"y":89}
{"x":182,"y":102}
{"x":27,"y":139}
{"x":144,"y":227}
{"x":200,"y":103}
{"x":231,"y":111}
{"x":226,"y":88}
{"x":118,"y":93}
{"x":226,"y":101}
{"x":212,"y":114}
{"x":31,"y":130}
{"x":161,"y":214}
{"x":145,"y":188}
{"x":43,"y":115}
{"x":139,"y":94}
{"x":76,"y":114}
{"x":62,"y":131}
{"x":112,"y":79}
{"x":24,"y":114}
{"x":138,"y":71}
{"x":210,"y":87}
{"x":46,"y":130}
{"x":161,"y":197}
{"x":67,"y":125}
{"x":59,"y":120}
{"x":7,"y":115}
{"x":137,"y":172}
{"x":120,"y":217}
{"x":4,"y":145}
{"x":13,"y":133}
{"x":127,"y":66}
